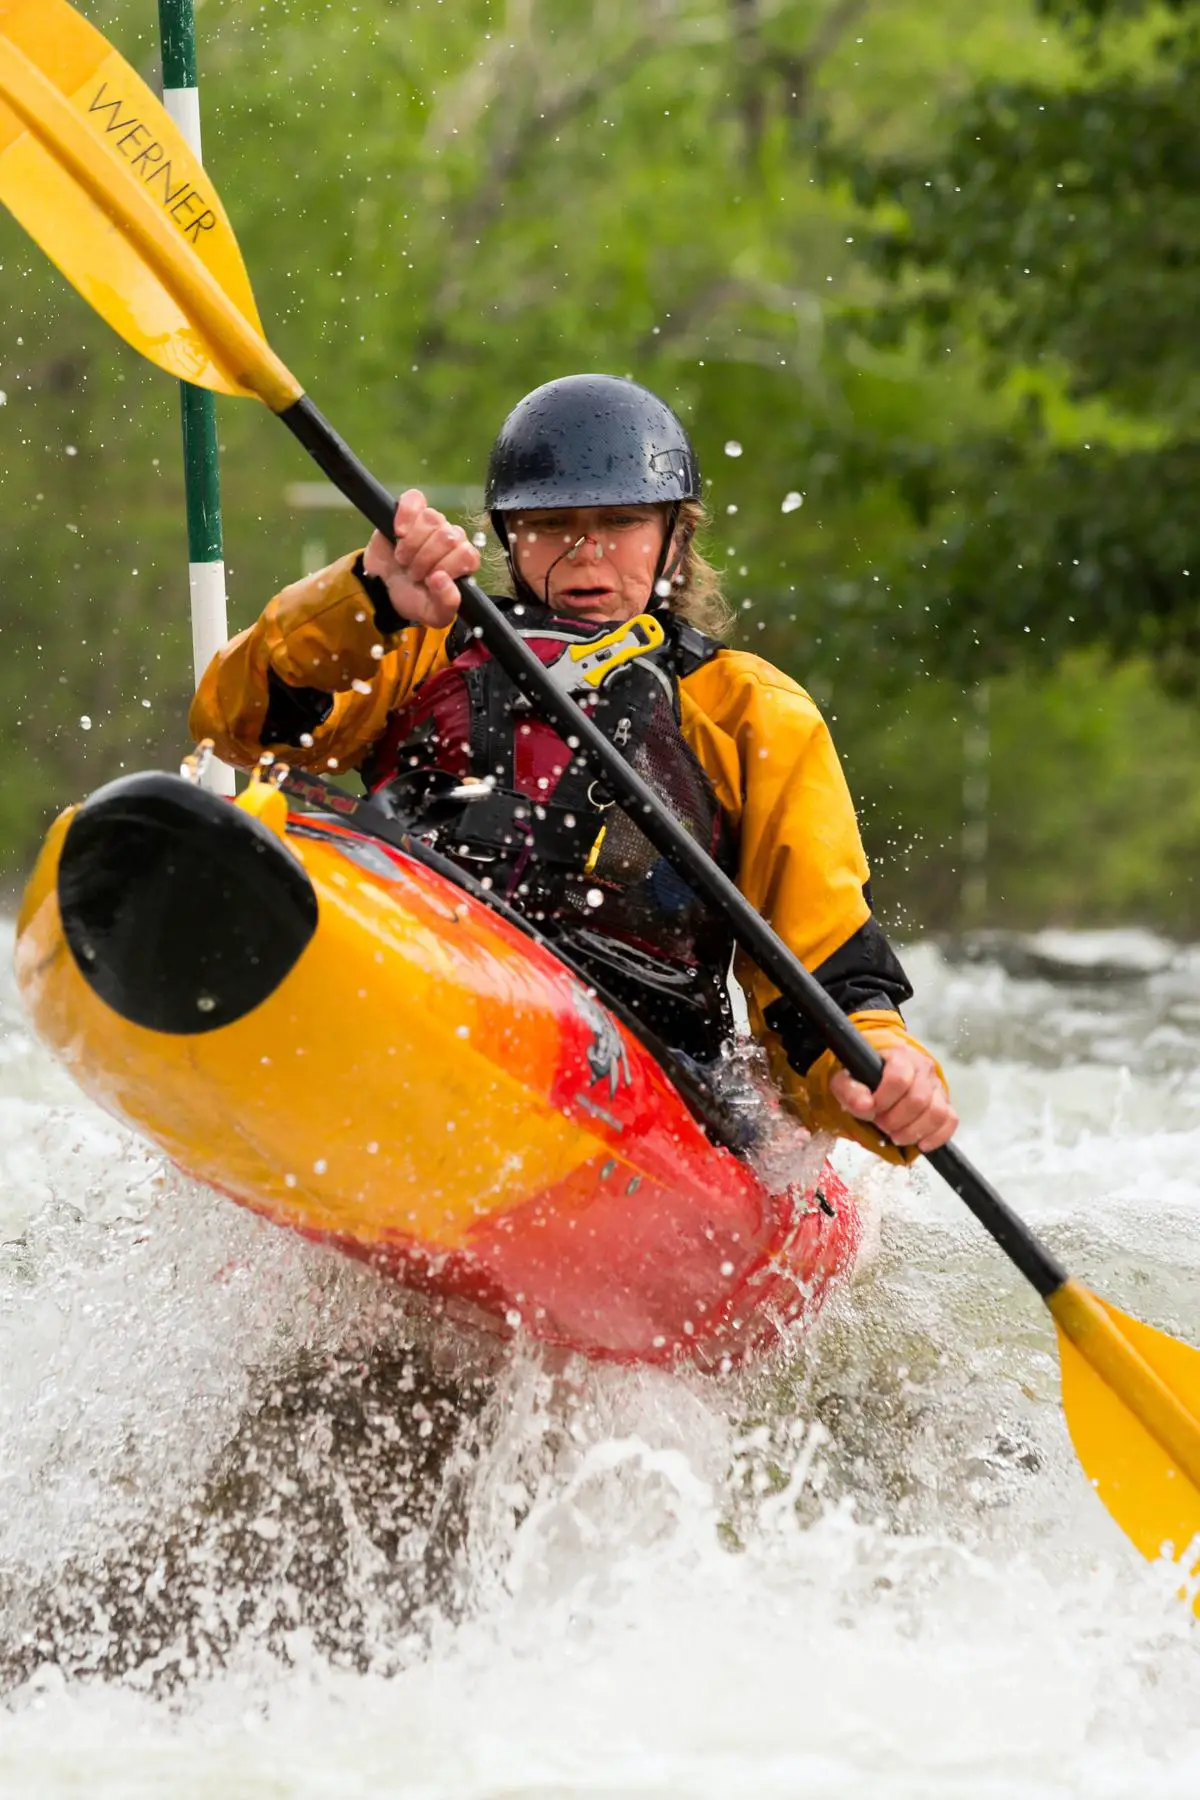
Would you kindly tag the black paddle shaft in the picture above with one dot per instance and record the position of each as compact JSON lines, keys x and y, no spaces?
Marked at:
{"x":668,"y":836}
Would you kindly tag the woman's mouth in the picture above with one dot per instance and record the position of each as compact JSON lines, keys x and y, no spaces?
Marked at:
{"x":591,"y":602}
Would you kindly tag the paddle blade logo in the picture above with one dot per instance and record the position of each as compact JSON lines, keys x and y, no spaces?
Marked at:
{"x":83,"y":143}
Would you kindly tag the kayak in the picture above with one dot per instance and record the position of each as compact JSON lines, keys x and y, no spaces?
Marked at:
{"x":329,"y":1029}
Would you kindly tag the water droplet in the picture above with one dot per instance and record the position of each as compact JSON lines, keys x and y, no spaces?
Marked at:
{"x":792,"y":501}
{"x":733,"y":448}
{"x":594,"y":897}
{"x":205,"y":1003}
{"x":85,"y":723}
{"x":662,"y":588}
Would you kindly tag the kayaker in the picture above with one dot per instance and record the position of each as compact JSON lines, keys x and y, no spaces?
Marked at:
{"x":594,"y":494}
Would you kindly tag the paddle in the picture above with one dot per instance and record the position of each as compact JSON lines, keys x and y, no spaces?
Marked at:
{"x":95,"y":171}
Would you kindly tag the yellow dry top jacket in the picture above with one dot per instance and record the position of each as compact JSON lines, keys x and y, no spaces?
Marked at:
{"x":757,"y":734}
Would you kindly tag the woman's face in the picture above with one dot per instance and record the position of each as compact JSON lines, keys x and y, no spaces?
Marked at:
{"x":594,"y":563}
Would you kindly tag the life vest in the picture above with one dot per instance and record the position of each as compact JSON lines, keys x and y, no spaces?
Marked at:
{"x":471,"y":769}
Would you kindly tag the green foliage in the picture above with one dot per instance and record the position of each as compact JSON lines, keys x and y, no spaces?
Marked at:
{"x":1056,"y":230}
{"x":92,"y":500}
{"x":1093,"y":813}
{"x":442,"y":206}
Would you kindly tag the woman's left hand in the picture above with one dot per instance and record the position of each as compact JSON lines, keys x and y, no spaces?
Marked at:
{"x":910,"y":1104}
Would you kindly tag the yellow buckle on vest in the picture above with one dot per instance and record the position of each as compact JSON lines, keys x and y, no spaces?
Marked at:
{"x":594,"y":852}
{"x":595,"y":661}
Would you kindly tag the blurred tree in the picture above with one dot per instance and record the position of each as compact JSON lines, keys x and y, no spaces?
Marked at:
{"x":1057,"y":230}
{"x":441,"y":207}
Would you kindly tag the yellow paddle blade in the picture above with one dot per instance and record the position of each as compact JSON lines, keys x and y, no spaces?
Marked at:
{"x":102,"y":179}
{"x":1132,"y":1400}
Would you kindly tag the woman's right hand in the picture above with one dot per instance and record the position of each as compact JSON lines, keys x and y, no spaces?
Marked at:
{"x":421,"y":567}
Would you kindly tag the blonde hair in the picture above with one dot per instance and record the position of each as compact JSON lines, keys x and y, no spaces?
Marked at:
{"x":695,"y":584}
{"x":696,"y":593}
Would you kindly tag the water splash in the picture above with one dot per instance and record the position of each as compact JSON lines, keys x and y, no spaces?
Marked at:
{"x":379,"y":1555}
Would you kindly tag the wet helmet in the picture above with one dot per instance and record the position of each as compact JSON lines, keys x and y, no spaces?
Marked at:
{"x":590,"y":440}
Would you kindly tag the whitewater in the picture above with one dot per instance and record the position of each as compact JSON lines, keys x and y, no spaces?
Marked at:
{"x":268,"y":1528}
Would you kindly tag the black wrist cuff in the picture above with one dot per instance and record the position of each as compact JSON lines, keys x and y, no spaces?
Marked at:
{"x":293,"y":712}
{"x":863,"y":976}
{"x":386,"y":619}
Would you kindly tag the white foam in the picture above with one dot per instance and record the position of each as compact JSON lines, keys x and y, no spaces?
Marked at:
{"x":949,"y":1611}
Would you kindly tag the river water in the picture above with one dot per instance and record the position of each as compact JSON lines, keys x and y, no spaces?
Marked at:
{"x":267,"y":1530}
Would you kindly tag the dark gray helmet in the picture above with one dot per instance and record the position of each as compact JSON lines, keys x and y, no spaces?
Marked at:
{"x":590,"y":440}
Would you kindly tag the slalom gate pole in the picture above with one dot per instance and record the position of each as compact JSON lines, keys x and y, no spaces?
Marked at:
{"x":201,"y":474}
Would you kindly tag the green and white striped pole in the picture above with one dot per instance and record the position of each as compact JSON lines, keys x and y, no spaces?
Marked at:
{"x":202,"y":482}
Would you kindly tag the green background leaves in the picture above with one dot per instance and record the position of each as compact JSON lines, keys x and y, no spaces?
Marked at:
{"x":935,"y":269}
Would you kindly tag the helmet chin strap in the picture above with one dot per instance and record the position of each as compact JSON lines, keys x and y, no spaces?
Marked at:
{"x":521,"y":588}
{"x":569,"y":555}
{"x":658,"y":602}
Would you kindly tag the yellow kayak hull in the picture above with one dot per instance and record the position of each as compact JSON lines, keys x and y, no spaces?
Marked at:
{"x":423,"y":1084}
